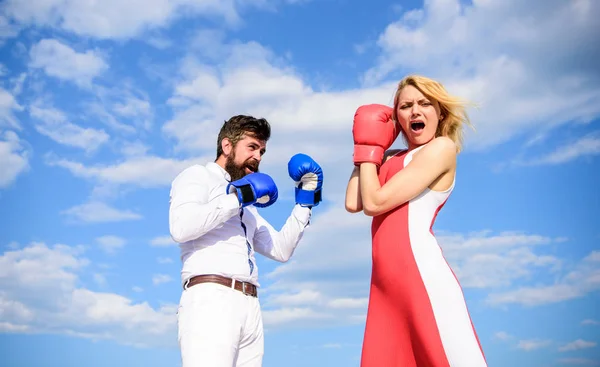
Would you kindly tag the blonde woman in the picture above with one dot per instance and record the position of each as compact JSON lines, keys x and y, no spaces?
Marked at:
{"x":417,"y":315}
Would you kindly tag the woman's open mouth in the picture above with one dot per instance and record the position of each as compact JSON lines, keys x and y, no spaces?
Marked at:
{"x":417,"y":126}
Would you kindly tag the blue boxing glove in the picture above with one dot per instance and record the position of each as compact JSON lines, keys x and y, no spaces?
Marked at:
{"x":308,"y":176}
{"x":255,"y":188}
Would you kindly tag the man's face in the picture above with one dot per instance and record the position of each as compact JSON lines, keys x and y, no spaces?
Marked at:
{"x":245,"y":157}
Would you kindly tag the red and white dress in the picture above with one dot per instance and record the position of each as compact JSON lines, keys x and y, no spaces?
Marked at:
{"x":417,"y":315}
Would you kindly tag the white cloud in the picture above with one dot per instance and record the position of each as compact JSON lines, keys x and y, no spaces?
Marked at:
{"x":158,"y":279}
{"x":582,"y":278}
{"x":251,"y":79}
{"x":162,"y":241}
{"x":584,"y":147}
{"x":343,"y":233}
{"x":533,"y":296}
{"x":61,"y":61}
{"x":14,"y":158}
{"x":110,"y":244}
{"x":54,"y":124}
{"x":160,"y":43}
{"x":291,"y":315}
{"x":101,"y":112}
{"x":495,"y":53}
{"x":133,"y":106}
{"x":135,"y":148}
{"x":319,"y":279}
{"x":485,"y":260}
{"x":502,"y":335}
{"x":123,"y":106}
{"x":7,"y":30}
{"x":105,"y":192}
{"x":318,"y":286}
{"x":97,"y":212}
{"x":17,"y":83}
{"x":132,"y":171}
{"x":360,"y":303}
{"x":301,"y":298}
{"x":579,"y":361}
{"x":8,"y":105}
{"x":7,"y":327}
{"x":24,"y":266}
{"x":576,"y":345}
{"x":529,"y":345}
{"x":117,"y":19}
{"x":100,"y":279}
{"x":40,"y":294}
{"x":590,"y":322}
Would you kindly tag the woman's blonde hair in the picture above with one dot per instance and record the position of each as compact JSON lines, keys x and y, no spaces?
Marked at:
{"x":452,"y":108}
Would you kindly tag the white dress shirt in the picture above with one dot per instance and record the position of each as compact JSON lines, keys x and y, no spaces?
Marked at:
{"x":207,"y":224}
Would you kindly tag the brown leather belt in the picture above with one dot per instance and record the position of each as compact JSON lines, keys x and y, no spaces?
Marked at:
{"x":248,"y":289}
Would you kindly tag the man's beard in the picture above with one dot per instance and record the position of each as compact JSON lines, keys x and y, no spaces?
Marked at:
{"x":238,"y":171}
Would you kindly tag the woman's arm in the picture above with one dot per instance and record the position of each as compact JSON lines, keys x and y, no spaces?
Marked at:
{"x":434,"y":160}
{"x":353,"y":200}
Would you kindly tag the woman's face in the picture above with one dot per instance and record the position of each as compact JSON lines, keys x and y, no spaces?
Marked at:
{"x":418,"y":116}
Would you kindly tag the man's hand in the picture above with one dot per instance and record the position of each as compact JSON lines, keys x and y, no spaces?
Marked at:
{"x":308,"y":176}
{"x":374,"y":132}
{"x":255,"y":188}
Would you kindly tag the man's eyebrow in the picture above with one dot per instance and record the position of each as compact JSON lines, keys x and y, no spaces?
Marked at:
{"x":255,"y":144}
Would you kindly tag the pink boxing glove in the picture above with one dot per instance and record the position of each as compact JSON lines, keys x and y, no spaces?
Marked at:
{"x":374,"y":132}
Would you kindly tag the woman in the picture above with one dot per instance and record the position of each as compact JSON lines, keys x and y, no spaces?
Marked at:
{"x":417,"y":315}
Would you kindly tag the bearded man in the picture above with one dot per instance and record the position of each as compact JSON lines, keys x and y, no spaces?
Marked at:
{"x":213,"y":216}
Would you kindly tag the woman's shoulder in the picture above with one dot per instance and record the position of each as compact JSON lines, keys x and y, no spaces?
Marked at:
{"x":441,"y":145}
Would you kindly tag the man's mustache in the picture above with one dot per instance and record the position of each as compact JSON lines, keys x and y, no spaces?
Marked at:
{"x":252,"y":164}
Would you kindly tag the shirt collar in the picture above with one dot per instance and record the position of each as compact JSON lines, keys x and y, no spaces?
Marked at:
{"x":215,"y":168}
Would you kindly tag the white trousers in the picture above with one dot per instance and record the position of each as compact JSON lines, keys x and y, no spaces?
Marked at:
{"x":219,"y":327}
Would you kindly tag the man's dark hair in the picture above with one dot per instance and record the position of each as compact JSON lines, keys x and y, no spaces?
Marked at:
{"x":236,"y":127}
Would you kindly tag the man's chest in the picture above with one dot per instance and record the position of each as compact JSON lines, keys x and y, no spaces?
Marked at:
{"x":244,"y":223}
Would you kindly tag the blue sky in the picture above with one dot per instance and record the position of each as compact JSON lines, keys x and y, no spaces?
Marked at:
{"x":103,"y":103}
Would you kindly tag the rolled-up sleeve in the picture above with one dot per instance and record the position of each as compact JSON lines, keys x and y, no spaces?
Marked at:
{"x":191,"y":212}
{"x":280,"y":245}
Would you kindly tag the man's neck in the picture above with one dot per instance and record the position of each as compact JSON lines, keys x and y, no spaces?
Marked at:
{"x":221,"y":161}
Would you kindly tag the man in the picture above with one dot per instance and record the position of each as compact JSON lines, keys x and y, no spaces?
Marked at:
{"x":213,"y":217}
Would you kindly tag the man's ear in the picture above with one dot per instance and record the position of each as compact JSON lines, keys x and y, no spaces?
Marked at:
{"x":226,"y":146}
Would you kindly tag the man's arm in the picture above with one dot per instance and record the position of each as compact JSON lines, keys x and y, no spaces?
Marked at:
{"x":191,"y":213}
{"x":280,"y":245}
